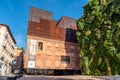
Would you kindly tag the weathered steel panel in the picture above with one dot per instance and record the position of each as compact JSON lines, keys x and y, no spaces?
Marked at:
{"x":37,"y":14}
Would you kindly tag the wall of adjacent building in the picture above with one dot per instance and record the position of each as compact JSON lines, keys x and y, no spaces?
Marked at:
{"x":6,"y":42}
{"x":6,"y":45}
{"x":3,"y":31}
{"x":18,"y":54}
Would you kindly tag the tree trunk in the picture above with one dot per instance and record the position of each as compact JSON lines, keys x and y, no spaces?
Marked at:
{"x":108,"y":66}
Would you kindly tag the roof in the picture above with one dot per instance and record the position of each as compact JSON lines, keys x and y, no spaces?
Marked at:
{"x":66,"y":22}
{"x":36,"y":14}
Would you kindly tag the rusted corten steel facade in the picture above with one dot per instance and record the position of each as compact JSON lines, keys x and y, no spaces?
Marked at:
{"x":51,"y":44}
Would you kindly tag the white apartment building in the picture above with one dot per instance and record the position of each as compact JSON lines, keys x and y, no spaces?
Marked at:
{"x":7,"y":44}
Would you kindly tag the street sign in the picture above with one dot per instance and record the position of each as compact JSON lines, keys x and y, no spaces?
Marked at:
{"x":31,"y":64}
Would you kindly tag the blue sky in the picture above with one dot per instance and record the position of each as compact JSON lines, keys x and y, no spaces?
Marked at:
{"x":15,"y":13}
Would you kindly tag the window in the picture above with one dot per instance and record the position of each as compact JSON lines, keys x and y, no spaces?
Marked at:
{"x":68,"y":34}
{"x":65,"y":59}
{"x":0,"y":65}
{"x":14,"y":62}
{"x":40,"y":46}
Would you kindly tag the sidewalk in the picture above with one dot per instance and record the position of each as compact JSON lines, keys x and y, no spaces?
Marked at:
{"x":72,"y":77}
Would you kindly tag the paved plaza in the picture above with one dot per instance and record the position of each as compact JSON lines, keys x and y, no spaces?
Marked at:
{"x":68,"y":77}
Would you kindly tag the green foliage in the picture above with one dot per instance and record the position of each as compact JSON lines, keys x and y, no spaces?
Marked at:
{"x":99,"y":37}
{"x":19,"y":48}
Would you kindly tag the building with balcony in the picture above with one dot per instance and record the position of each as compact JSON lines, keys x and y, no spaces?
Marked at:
{"x":7,"y":44}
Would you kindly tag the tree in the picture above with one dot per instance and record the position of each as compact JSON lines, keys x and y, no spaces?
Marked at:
{"x":98,"y":35}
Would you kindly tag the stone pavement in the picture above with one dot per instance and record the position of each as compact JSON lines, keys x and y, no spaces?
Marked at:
{"x":68,"y":77}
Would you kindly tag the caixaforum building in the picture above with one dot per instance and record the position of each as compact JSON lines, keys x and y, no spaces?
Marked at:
{"x":51,"y":45}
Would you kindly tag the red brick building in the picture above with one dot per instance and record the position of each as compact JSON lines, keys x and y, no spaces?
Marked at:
{"x":18,"y":62}
{"x":51,"y":45}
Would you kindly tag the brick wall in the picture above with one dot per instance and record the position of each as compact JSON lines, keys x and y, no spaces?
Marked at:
{"x":50,"y":56}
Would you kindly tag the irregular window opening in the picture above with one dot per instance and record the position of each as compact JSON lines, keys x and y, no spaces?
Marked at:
{"x":40,"y":46}
{"x":65,"y":59}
